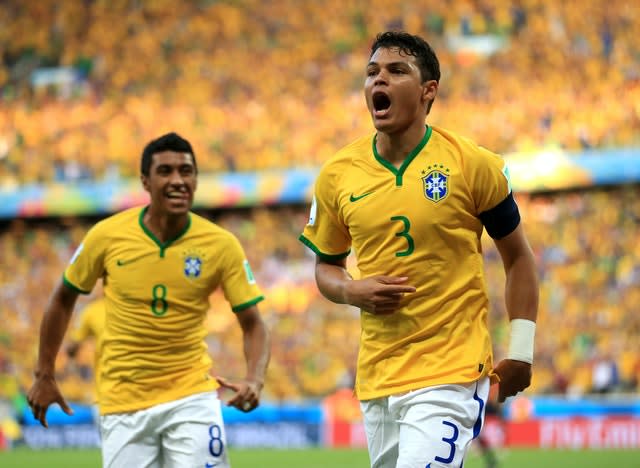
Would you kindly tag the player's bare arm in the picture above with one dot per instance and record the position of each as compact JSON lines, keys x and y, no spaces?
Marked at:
{"x":375,"y":294}
{"x":521,"y":297}
{"x":257,"y":352}
{"x":55,"y":322}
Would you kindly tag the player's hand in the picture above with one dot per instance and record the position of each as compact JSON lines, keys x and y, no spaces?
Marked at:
{"x":42,"y":394}
{"x":246,"y":393}
{"x":514,"y":376}
{"x":378,"y":294}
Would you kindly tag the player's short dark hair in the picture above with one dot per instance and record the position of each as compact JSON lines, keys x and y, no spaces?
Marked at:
{"x":168,"y":142}
{"x":411,"y":45}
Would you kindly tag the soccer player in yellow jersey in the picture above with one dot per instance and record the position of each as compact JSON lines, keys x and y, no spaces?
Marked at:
{"x":159,"y":264}
{"x":412,"y":201}
{"x":90,"y":326}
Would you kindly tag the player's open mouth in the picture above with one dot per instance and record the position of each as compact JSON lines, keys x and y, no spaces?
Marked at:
{"x":175,"y":195}
{"x":381,"y":103}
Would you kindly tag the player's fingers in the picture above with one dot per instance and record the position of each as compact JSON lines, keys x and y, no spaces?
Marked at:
{"x":397,"y":282}
{"x":392,"y":279}
{"x":40,"y":414}
{"x":65,"y":407}
{"x":387,"y":300}
{"x":226,"y":383}
{"x":389,"y":296}
{"x":390,"y":289}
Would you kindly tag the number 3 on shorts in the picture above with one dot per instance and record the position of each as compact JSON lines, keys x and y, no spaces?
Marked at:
{"x":451,"y":442}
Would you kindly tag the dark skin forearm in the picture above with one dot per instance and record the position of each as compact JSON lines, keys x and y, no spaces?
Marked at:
{"x":521,"y":287}
{"x":521,"y":299}
{"x":256,"y":344}
{"x":257,"y":351}
{"x":55,"y":322}
{"x":332,"y":279}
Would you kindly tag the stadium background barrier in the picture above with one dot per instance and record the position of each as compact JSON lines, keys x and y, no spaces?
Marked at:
{"x":548,"y":169}
{"x":536,"y":422}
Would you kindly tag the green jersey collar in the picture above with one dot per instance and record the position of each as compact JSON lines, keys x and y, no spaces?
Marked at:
{"x":162,"y":245}
{"x":400,"y":171}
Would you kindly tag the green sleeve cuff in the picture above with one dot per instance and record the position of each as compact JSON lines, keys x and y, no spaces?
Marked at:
{"x":246,"y":305}
{"x":320,"y":254}
{"x":72,"y":286}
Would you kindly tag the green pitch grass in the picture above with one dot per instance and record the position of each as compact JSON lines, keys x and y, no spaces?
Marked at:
{"x":322,"y":458}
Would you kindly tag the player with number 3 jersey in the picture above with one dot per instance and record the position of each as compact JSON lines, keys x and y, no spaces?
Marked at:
{"x":412,"y":201}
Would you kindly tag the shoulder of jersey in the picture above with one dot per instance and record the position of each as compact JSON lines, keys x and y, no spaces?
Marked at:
{"x":464,"y":145}
{"x":128,"y":216}
{"x":200,"y":223}
{"x":347,"y":153}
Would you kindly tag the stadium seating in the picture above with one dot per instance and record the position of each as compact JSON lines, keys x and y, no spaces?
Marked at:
{"x":259,"y":85}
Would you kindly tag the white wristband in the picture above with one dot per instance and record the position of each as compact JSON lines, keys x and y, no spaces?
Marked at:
{"x":521,"y":344}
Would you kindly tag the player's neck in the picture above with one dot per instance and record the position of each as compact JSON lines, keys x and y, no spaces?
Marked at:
{"x":163,"y":226}
{"x":395,"y":147}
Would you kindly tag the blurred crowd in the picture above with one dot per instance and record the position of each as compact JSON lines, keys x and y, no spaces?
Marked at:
{"x":260,"y":84}
{"x":586,"y":245}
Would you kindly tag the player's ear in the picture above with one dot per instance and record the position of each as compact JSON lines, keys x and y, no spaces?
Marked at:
{"x":429,"y":90}
{"x":145,"y":182}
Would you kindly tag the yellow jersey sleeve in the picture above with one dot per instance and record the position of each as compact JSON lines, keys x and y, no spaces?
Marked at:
{"x":326,"y":233}
{"x":87,"y":264}
{"x":238,"y":282}
{"x":488,"y":177}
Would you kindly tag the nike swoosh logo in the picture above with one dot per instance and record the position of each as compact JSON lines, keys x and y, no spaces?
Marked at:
{"x":353,"y":197}
{"x":125,"y":262}
{"x":210,"y":465}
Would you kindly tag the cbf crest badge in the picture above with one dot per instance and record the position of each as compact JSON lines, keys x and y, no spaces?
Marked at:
{"x":435,"y":183}
{"x":192,"y":267}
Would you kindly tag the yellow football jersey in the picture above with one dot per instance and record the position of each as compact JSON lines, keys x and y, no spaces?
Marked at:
{"x":156,"y":299}
{"x":421,"y":221}
{"x":91,"y":325}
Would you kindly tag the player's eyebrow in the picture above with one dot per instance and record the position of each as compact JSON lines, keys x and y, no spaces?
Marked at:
{"x":390,"y":64}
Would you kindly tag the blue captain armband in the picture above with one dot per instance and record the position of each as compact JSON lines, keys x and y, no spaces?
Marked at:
{"x":502,"y":219}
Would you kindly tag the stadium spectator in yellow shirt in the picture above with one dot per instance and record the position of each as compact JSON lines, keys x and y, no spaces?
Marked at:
{"x":159,"y":264}
{"x":412,"y":201}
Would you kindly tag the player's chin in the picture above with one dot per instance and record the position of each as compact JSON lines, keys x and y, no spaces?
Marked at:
{"x":178,"y":207}
{"x":382,"y":124}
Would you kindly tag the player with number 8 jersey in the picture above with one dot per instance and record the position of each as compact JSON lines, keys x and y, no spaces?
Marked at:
{"x":156,"y":293}
{"x":159,"y":264}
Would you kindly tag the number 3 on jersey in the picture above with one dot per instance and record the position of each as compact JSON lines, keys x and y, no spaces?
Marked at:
{"x":404,"y":233}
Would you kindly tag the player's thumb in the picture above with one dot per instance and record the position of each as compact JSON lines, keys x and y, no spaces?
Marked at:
{"x":501,"y":396}
{"x":223,"y":382}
